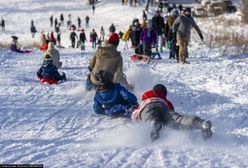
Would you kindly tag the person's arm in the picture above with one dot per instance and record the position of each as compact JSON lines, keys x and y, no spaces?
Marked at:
{"x":118,"y":74}
{"x":97,"y":107}
{"x":128,"y":96}
{"x":195,"y":26}
{"x":176,"y":25}
{"x":93,"y":61}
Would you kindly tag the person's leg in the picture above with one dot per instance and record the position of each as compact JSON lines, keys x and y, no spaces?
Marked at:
{"x":161,"y":43}
{"x":182,"y":49}
{"x":178,"y":121}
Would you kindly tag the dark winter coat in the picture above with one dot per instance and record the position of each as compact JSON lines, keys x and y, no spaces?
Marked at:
{"x":93,"y":36}
{"x":73,"y":36}
{"x":112,"y":100}
{"x":182,"y":25}
{"x":82,"y":37}
{"x":148,"y":36}
{"x":135,"y":34}
{"x":158,"y":24}
{"x":33,"y":29}
{"x":49,"y":71}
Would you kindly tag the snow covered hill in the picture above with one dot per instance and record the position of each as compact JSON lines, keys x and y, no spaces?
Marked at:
{"x":55,"y":125}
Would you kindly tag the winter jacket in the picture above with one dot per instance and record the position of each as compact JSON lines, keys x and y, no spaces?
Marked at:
{"x":158,"y":24}
{"x":169,"y":34}
{"x":112,"y":100}
{"x":14,"y":48}
{"x":49,"y":71}
{"x":126,"y":35}
{"x":73,"y":36}
{"x":182,"y":25}
{"x":44,"y":47}
{"x":135,"y":34}
{"x":148,"y":36}
{"x":108,"y":58}
{"x":54,"y":54}
{"x":152,"y":97}
{"x":93,"y":36}
{"x":33,"y":29}
{"x":82,"y":37}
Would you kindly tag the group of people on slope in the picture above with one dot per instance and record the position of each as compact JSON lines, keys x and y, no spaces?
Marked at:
{"x":155,"y":32}
{"x":114,"y":98}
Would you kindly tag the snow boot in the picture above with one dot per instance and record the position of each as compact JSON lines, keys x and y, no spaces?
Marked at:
{"x":206,"y":129}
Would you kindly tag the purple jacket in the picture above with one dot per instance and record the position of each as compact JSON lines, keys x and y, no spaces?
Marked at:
{"x":145,"y":38}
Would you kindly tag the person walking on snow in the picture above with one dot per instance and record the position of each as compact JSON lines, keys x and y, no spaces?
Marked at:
{"x":135,"y":37}
{"x":62,"y":19}
{"x":79,"y":22}
{"x":102,"y":34}
{"x":33,"y":29}
{"x":93,"y":8}
{"x":93,"y":38}
{"x":157,"y":110}
{"x":148,"y":38}
{"x":82,"y":40}
{"x":51,"y":21}
{"x":73,"y":36}
{"x":159,"y":25}
{"x":87,"y":20}
{"x":3,"y":25}
{"x":171,"y":37}
{"x":112,"y":99}
{"x":104,"y":59}
{"x":182,"y":26}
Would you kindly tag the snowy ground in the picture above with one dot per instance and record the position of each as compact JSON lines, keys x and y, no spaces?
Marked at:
{"x":55,"y":125}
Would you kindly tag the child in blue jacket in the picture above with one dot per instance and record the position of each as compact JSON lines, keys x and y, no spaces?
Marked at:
{"x":111,"y":98}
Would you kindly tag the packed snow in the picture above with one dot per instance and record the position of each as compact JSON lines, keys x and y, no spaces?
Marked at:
{"x":55,"y":125}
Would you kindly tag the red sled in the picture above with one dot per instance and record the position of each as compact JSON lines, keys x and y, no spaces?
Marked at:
{"x":136,"y":57}
{"x":49,"y":81}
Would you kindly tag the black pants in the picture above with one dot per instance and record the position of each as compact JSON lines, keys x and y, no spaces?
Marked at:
{"x":73,"y":42}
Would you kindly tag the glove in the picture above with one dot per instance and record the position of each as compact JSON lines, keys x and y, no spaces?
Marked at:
{"x":201,"y":36}
{"x":89,"y":68}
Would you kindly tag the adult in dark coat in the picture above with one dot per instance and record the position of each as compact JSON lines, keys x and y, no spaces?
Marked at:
{"x":3,"y":24}
{"x":33,"y":29}
{"x":73,"y":37}
{"x":159,"y":25}
{"x":135,"y":36}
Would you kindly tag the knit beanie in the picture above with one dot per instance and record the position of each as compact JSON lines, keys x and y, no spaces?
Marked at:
{"x":114,"y":39}
{"x":161,"y":88}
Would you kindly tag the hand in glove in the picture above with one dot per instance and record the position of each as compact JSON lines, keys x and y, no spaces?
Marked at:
{"x":89,"y":68}
{"x":201,"y":36}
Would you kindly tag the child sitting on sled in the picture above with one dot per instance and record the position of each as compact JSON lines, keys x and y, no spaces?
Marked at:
{"x":48,"y":72}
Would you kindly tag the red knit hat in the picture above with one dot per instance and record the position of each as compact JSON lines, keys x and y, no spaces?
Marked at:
{"x":114,"y":39}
